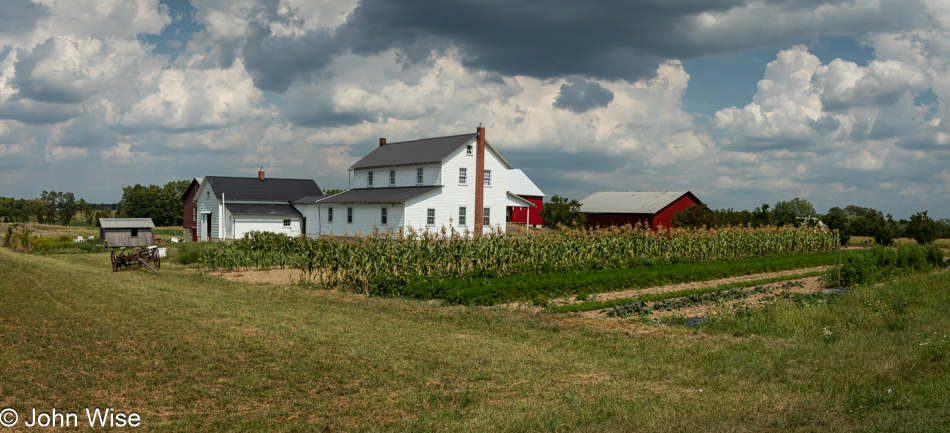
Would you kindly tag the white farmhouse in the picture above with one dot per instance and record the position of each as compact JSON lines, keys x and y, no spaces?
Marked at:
{"x":457,"y":183}
{"x":229,"y":207}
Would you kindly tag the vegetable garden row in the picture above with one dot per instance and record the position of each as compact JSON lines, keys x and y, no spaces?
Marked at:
{"x":362,"y":263}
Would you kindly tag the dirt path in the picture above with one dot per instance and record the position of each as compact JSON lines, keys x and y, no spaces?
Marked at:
{"x":809,"y":285}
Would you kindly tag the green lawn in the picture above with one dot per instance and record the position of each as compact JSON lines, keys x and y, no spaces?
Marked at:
{"x":191,"y":352}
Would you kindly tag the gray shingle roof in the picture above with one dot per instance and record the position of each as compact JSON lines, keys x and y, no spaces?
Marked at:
{"x":380,"y":195}
{"x":262,"y":209}
{"x":270,"y":189}
{"x":126,"y":223}
{"x":643,"y":202}
{"x":425,"y":151}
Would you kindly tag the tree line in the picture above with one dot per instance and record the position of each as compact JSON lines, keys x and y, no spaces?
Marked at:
{"x":160,"y":203}
{"x":849,"y":221}
{"x":52,"y":207}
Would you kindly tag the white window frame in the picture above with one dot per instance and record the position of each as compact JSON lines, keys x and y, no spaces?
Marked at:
{"x":462,"y":215}
{"x":430,"y":216}
{"x":419,"y":176}
{"x":383,"y":216}
{"x":392,"y":177}
{"x":369,"y":179}
{"x":329,"y":215}
{"x":349,"y":215}
{"x":286,"y":223}
{"x":468,"y":150}
{"x":486,"y":216}
{"x":488,"y":178}
{"x":463,"y":176}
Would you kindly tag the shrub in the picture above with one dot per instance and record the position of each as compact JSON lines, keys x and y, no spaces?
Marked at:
{"x":879,"y":262}
{"x":189,"y":252}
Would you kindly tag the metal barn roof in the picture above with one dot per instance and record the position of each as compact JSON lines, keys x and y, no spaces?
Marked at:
{"x":262,"y":209}
{"x":269,"y":189}
{"x":642,"y":202}
{"x":126,"y":223}
{"x":520,"y":184}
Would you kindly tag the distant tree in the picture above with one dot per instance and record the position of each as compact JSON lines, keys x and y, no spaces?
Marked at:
{"x":793,"y":212}
{"x":563,"y":211}
{"x":66,"y":207}
{"x":836,"y":219}
{"x":162,"y":204}
{"x":884,"y":230}
{"x":761,"y":216}
{"x":333,"y":191}
{"x":922,"y":228}
{"x":695,"y":216}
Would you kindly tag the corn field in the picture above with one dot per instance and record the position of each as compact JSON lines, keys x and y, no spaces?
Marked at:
{"x":355,"y":263}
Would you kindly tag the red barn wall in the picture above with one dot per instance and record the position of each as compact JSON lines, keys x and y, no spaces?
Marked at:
{"x":519,"y":214}
{"x":664,"y":216}
{"x":189,"y":206}
{"x":616,"y":219}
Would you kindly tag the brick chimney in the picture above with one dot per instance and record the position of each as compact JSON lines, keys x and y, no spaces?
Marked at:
{"x":382,"y":141}
{"x":479,"y":179}
{"x":260,"y":174}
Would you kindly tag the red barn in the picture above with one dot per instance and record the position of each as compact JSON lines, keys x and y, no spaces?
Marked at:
{"x":653,"y":208}
{"x":520,"y":185}
{"x":189,"y":216}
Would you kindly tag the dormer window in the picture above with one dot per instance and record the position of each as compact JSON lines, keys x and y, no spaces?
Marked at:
{"x":369,"y":179}
{"x":468,"y":150}
{"x":418,"y":176}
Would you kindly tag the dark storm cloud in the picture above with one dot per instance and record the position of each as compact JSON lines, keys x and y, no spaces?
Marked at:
{"x":580,"y":96}
{"x":35,"y":113}
{"x":19,"y":16}
{"x":824,"y":124}
{"x":65,"y":88}
{"x":539,"y":38}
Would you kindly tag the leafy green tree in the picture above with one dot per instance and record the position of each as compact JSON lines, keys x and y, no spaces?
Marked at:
{"x":922,"y":228}
{"x":836,"y":219}
{"x":66,"y":207}
{"x":883,"y":230}
{"x":333,"y":191}
{"x":563,"y":211}
{"x":695,"y":216}
{"x":162,"y":204}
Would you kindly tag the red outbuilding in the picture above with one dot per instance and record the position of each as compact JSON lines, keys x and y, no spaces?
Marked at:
{"x":650,"y":208}
{"x":520,"y":185}
{"x":189,"y":216}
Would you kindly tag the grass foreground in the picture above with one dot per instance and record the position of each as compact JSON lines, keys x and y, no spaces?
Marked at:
{"x":193,"y":352}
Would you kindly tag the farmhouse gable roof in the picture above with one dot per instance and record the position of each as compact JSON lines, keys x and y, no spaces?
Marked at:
{"x":418,"y":152}
{"x":254,"y":189}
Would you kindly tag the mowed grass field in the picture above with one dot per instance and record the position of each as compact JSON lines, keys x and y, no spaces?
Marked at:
{"x":192,"y":352}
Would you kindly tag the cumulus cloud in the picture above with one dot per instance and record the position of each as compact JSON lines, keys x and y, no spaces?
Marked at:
{"x":19,"y":16}
{"x":580,"y":95}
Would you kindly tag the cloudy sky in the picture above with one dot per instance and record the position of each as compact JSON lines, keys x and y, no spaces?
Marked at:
{"x":743,"y":102}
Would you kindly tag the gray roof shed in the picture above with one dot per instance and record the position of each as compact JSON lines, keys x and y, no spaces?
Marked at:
{"x":125,"y":223}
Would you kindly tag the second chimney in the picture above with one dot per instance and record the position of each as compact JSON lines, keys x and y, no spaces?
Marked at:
{"x":382,"y":141}
{"x":260,"y":174}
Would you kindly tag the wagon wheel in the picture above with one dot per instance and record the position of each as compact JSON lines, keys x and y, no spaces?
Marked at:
{"x":115,"y":266}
